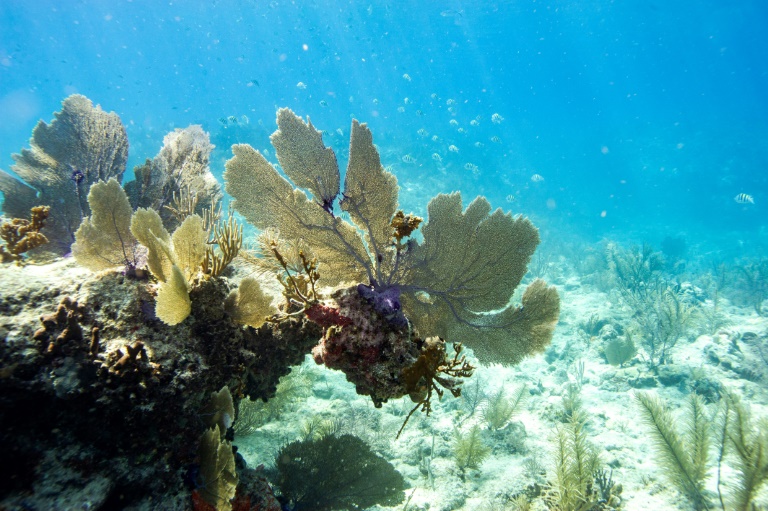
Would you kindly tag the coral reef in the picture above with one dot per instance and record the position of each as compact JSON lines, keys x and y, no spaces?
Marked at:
{"x":139,"y":368}
{"x":81,"y":146}
{"x":455,"y":284}
{"x":127,"y":394}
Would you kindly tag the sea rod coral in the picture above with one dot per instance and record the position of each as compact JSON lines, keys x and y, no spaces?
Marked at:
{"x":393,"y":291}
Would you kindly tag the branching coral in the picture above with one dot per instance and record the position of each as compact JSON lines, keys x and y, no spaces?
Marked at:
{"x":456,"y":284}
{"x":21,"y":235}
{"x":81,"y":146}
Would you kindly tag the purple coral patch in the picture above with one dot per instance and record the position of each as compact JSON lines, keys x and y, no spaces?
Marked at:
{"x":385,"y":301}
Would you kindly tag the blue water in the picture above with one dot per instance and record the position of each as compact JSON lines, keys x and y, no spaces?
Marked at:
{"x":645,"y":119}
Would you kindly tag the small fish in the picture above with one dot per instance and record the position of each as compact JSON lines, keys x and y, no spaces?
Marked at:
{"x":422,"y":132}
{"x":537,"y":178}
{"x":409,"y":159}
{"x":252,"y":83}
{"x":419,"y":112}
{"x":375,"y":101}
{"x":407,"y":77}
{"x":470,"y":166}
{"x":474,"y":122}
{"x":450,"y":102}
{"x":452,"y":110}
{"x":452,"y":148}
{"x":495,"y":139}
{"x":433,"y":95}
{"x":496,"y":119}
{"x":479,"y":144}
{"x":401,"y":109}
{"x":744,"y":198}
{"x":340,"y":132}
{"x":323,"y":103}
{"x":453,"y":122}
{"x":232,"y":119}
{"x":407,"y":101}
{"x":223,"y":121}
{"x":462,"y":130}
{"x":435,"y":138}
{"x":301,"y":85}
{"x":245,"y":120}
{"x":437,"y":157}
{"x":510,"y":198}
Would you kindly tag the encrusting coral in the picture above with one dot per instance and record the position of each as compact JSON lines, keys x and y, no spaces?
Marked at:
{"x":81,"y":146}
{"x":455,"y":284}
{"x":21,"y":235}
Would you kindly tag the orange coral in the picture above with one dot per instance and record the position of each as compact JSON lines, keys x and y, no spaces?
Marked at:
{"x":22,"y":235}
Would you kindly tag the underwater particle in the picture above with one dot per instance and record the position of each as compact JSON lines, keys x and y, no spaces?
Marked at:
{"x":551,"y":204}
{"x":510,"y":198}
{"x":495,"y":139}
{"x":453,"y":122}
{"x":323,"y":103}
{"x":301,"y":85}
{"x":409,"y":159}
{"x":401,"y":109}
{"x":450,"y":102}
{"x":605,"y":149}
{"x":537,"y":178}
{"x":496,"y":119}
{"x":744,"y":198}
{"x":474,"y":122}
{"x":407,"y":77}
{"x":452,"y":148}
{"x":422,"y":132}
{"x":603,"y":214}
{"x":437,"y":157}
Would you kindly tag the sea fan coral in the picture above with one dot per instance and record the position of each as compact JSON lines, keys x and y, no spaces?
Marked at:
{"x":81,"y":146}
{"x":456,"y":284}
